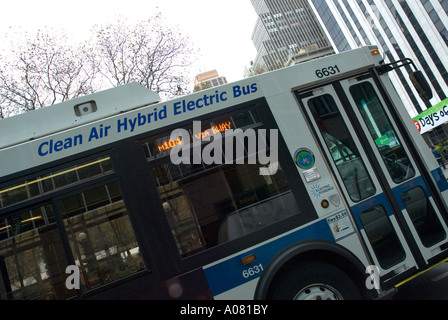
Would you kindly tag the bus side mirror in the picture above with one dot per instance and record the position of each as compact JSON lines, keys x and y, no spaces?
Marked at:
{"x":421,"y":85}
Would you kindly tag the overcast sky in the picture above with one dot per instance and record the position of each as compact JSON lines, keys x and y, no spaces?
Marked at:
{"x":221,"y":29}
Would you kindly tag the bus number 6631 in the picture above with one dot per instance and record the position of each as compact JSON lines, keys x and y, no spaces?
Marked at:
{"x":249,"y":272}
{"x":326,"y":72}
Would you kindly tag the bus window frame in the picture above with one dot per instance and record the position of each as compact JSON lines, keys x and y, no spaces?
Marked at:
{"x":296,"y":184}
{"x":151,"y":270}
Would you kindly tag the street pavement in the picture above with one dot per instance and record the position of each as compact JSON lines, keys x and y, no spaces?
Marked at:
{"x":431,"y":285}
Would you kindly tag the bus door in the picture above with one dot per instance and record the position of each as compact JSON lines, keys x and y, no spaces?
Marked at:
{"x":398,"y":217}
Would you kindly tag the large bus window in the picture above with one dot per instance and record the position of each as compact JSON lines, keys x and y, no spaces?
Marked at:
{"x":342,"y":148}
{"x":101,"y":236}
{"x":382,"y":132}
{"x":210,"y":204}
{"x":32,"y":258}
{"x":221,"y":204}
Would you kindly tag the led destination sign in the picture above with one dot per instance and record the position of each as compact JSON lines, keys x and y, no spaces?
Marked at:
{"x":168,"y":144}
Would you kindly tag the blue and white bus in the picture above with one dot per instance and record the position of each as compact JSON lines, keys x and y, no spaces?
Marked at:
{"x":322,"y":189}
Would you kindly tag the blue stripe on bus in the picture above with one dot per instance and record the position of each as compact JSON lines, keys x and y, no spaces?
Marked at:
{"x":229,"y":273}
{"x":381,"y":199}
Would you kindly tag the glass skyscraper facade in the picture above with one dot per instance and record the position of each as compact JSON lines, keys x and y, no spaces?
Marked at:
{"x":286,"y":28}
{"x":416,"y":29}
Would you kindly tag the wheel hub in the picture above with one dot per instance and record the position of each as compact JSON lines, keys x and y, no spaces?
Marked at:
{"x":318,"y":291}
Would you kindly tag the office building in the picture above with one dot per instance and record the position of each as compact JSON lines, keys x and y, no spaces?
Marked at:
{"x":414,"y":29}
{"x":207,"y":80}
{"x":287,"y":32}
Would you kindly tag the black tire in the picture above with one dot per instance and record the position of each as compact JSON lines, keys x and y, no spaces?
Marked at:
{"x":314,"y":281}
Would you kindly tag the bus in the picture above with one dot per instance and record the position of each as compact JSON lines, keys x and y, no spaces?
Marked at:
{"x":309,"y":182}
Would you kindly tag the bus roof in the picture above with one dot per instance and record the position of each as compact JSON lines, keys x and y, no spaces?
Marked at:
{"x":75,"y":112}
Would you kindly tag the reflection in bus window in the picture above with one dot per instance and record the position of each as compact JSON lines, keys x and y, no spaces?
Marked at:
{"x":382,"y":236}
{"x":392,"y":152}
{"x":423,"y":216}
{"x":57,"y":180}
{"x":32,"y":258}
{"x":210,"y":204}
{"x":221,"y":203}
{"x":101,"y":237}
{"x":342,"y":148}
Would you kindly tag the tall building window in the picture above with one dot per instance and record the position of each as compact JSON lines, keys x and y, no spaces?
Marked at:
{"x":401,"y":29}
{"x":291,"y":29}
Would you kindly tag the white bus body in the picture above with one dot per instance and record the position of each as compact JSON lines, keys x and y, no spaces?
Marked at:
{"x":357,"y":187}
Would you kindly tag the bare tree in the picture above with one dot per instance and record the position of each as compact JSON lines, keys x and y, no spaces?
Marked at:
{"x":148,"y":52}
{"x":43,"y":70}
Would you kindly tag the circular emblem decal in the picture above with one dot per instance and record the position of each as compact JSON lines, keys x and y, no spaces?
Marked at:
{"x":304,"y":158}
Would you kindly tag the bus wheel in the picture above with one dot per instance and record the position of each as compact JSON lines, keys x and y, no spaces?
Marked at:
{"x":314,"y":281}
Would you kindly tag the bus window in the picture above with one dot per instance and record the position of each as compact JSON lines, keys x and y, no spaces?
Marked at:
{"x":382,"y":236}
{"x":423,"y":216}
{"x":221,"y":204}
{"x":339,"y":152}
{"x":342,"y":148}
{"x":32,"y":257}
{"x":42,"y":185}
{"x":210,"y":204}
{"x":382,"y":132}
{"x":100,"y":234}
